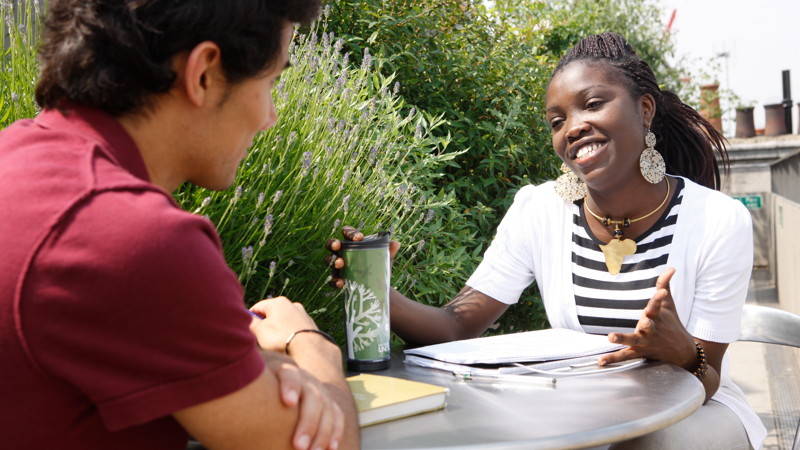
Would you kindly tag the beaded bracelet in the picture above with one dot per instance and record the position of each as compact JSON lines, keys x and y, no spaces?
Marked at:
{"x":307,"y":330}
{"x":702,"y":365}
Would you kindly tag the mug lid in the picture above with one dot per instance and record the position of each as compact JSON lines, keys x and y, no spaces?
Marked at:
{"x":378,"y":240}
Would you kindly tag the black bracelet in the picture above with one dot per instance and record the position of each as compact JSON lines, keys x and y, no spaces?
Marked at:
{"x":702,"y":365}
{"x":327,"y":336}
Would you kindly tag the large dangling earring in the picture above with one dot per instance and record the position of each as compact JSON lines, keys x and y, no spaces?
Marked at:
{"x":651,"y":163}
{"x":569,"y":186}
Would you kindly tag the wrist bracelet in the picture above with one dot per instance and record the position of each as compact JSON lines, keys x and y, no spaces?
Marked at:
{"x":307,"y":330}
{"x":702,"y":366}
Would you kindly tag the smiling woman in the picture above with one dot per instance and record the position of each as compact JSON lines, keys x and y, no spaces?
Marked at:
{"x":633,"y":241}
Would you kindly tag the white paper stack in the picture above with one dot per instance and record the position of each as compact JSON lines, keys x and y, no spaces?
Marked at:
{"x":530,"y":346}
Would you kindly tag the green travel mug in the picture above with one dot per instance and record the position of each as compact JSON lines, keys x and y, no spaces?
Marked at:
{"x":367,"y":273}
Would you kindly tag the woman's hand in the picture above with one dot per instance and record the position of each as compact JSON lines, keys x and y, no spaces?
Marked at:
{"x":659,"y":334}
{"x":336,"y":262}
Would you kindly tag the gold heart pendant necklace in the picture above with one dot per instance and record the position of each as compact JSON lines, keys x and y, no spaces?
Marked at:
{"x":619,"y":247}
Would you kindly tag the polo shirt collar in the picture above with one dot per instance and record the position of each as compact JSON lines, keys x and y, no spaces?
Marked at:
{"x":97,"y":125}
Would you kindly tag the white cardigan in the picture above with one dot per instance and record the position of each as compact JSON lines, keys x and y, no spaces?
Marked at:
{"x":712,"y":252}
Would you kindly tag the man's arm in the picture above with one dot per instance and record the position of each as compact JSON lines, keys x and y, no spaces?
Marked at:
{"x":251,"y":418}
{"x":255,"y":417}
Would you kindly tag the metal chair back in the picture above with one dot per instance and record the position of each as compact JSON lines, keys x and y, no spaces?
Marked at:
{"x":772,"y":326}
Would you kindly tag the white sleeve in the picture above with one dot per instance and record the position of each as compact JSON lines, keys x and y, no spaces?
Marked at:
{"x":507,"y":266}
{"x":723,"y":276}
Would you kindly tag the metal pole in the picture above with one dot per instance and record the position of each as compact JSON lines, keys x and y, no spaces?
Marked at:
{"x":787,"y":100}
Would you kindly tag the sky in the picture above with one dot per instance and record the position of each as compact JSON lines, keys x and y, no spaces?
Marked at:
{"x":761,"y":37}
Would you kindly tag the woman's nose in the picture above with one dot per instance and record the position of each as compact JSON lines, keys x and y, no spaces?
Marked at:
{"x":576,"y":129}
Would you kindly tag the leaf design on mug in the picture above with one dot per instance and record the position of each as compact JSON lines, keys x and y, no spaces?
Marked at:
{"x":365,"y":315}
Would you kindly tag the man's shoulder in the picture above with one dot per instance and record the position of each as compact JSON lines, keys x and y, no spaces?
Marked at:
{"x":143,"y":216}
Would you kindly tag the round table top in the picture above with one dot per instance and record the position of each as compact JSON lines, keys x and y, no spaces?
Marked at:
{"x":577,"y":412}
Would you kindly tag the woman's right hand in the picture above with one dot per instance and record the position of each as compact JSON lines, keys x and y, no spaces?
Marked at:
{"x":335,"y":260}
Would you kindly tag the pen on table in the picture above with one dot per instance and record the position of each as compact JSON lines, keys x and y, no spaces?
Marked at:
{"x":503,"y":378}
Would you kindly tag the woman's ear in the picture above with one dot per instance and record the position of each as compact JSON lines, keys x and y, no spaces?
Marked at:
{"x":648,"y":107}
{"x":200,"y":73}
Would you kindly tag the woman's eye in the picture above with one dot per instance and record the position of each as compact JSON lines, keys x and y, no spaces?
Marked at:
{"x":594,"y":104}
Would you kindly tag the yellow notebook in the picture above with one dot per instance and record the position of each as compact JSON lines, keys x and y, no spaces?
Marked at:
{"x":381,"y":399}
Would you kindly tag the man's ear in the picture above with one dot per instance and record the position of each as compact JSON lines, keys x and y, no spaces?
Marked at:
{"x":648,"y":107}
{"x":200,"y":73}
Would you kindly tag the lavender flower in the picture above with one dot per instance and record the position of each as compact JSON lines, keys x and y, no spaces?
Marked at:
{"x":429,"y":215}
{"x":337,"y":47}
{"x":396,"y":88}
{"x":346,"y":202}
{"x":237,"y":194}
{"x":247,"y":254}
{"x":366,"y":63}
{"x":421,"y":245}
{"x":341,"y":80}
{"x":260,"y":200}
{"x":272,"y":266}
{"x":277,"y":196}
{"x":267,"y":224}
{"x":306,"y":162}
{"x":206,"y":202}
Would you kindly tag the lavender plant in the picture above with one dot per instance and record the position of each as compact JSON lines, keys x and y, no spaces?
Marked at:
{"x":18,"y":65}
{"x":345,"y":150}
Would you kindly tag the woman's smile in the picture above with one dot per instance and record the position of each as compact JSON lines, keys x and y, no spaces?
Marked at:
{"x":587,"y":154}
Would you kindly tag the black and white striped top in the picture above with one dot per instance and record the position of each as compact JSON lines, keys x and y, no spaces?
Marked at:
{"x":613,"y":303}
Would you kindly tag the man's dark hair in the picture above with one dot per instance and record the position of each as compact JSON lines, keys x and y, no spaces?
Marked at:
{"x":114,"y":54}
{"x":688,"y":142}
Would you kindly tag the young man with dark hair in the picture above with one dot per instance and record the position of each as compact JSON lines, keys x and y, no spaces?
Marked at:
{"x":121,"y":326}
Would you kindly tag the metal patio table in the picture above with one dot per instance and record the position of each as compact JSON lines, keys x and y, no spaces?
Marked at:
{"x":577,"y":412}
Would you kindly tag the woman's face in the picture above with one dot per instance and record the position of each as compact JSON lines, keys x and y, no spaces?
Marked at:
{"x":597,"y":127}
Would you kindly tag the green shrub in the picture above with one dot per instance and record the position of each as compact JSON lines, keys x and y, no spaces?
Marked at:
{"x":485,"y":71}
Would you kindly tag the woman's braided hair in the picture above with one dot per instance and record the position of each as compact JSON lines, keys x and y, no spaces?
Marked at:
{"x":688,"y":142}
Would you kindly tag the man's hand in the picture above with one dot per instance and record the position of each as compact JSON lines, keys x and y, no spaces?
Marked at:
{"x":321,"y":421}
{"x":659,"y":334}
{"x":336,"y":262}
{"x":281,"y":318}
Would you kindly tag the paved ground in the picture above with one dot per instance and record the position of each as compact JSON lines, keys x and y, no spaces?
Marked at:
{"x":769,"y":374}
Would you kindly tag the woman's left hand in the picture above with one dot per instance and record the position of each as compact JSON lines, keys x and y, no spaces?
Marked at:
{"x":659,"y":334}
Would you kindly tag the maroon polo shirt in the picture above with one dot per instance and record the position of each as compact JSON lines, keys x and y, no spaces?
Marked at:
{"x":116,"y":307}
